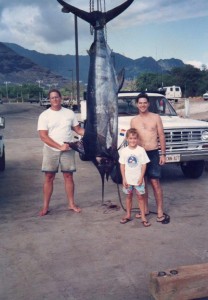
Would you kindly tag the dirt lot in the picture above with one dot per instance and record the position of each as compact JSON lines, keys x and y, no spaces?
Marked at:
{"x":87,"y":256}
{"x":198,"y":108}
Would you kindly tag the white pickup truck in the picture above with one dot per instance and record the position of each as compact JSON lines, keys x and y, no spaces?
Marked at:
{"x":205,"y":96}
{"x":2,"y":146}
{"x":45,"y":102}
{"x":186,"y":139}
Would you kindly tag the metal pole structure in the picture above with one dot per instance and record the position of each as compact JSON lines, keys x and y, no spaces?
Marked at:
{"x":39,"y":82}
{"x":21,"y":92}
{"x":77,"y":61}
{"x":7,"y":95}
{"x":72,"y":85}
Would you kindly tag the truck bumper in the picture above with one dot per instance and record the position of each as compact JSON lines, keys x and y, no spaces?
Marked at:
{"x":186,"y":156}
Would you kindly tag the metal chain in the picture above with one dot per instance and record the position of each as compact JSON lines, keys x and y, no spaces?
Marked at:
{"x":105,"y":25}
{"x":102,"y":8}
{"x":91,"y":9}
{"x":101,"y":5}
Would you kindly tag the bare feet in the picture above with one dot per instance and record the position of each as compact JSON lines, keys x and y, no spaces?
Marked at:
{"x":43,"y":212}
{"x":76,"y":209}
{"x":160,"y":219}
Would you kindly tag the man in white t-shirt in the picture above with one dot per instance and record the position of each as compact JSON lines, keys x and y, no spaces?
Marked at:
{"x":55,"y":127}
{"x":133,"y":160}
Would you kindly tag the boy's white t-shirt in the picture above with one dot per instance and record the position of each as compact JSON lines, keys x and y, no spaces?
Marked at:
{"x":59,"y":124}
{"x":133,"y":159}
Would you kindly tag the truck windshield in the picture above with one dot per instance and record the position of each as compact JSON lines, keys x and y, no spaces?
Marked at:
{"x":158,"y":104}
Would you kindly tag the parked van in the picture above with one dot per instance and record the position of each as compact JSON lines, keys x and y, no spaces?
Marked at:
{"x":171,"y":92}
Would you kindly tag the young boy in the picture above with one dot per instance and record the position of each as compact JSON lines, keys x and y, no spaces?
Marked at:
{"x":133,"y":160}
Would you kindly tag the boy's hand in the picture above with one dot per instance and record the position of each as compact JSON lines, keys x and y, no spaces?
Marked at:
{"x":125,"y":184}
{"x":140,"y":181}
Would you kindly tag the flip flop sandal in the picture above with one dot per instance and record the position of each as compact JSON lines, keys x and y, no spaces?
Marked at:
{"x":146,"y":223}
{"x":125,"y":220}
{"x":161,"y":219}
{"x":165,"y":219}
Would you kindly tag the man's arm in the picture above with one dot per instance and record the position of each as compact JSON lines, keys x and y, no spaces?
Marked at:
{"x":132,"y":123}
{"x":161,"y":136}
{"x":79,"y":130}
{"x":50,"y":142}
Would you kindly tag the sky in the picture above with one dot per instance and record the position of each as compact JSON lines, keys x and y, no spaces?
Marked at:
{"x":162,"y":29}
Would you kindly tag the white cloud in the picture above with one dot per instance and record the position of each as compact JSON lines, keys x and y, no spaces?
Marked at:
{"x":19,"y":23}
{"x":30,"y":27}
{"x":195,"y":63}
{"x":41,"y":25}
{"x":163,"y":11}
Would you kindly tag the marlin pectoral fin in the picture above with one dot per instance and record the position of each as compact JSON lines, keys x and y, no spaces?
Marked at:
{"x":76,"y":146}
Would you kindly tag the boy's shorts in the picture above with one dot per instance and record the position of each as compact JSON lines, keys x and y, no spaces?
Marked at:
{"x":53,"y":159}
{"x":140,"y":189}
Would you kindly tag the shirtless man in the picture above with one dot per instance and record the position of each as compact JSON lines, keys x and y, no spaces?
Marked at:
{"x":150,"y":128}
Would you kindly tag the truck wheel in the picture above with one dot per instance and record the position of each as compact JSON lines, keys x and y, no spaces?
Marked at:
{"x":83,"y":157}
{"x":116,"y":175}
{"x":2,"y":162}
{"x":193,"y":169}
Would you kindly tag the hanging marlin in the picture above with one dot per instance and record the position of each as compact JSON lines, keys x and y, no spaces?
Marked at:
{"x":99,"y":143}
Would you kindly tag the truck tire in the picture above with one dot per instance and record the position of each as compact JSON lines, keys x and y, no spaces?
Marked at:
{"x":2,"y":162}
{"x":116,"y":175}
{"x":193,"y":169}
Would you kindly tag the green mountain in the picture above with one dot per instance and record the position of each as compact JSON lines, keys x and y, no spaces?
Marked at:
{"x":65,"y":65}
{"x":19,"y":69}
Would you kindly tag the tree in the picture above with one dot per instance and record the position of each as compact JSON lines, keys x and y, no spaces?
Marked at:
{"x":193,"y":81}
{"x":147,"y":81}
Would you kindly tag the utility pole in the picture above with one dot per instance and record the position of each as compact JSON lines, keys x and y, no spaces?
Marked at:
{"x":77,"y":61}
{"x":39,"y":82}
{"x":72,"y":84}
{"x":6,"y":83}
{"x":21,"y":91}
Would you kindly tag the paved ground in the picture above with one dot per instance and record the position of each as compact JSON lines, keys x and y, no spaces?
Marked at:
{"x":87,"y":256}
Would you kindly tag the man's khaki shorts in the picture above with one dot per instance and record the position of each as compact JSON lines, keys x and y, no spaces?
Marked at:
{"x":53,"y":159}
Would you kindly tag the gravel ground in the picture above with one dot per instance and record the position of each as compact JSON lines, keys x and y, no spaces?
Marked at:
{"x":87,"y":256}
{"x":198,"y":108}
